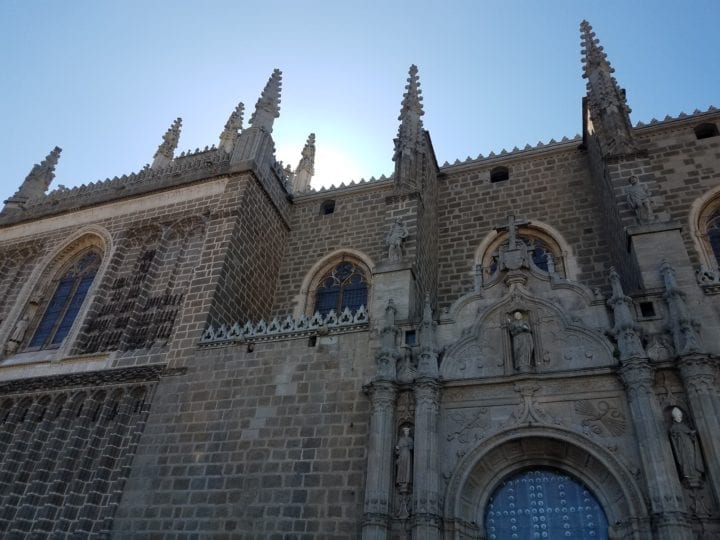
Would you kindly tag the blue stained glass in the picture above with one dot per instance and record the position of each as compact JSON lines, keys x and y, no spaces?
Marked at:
{"x":713,"y":233}
{"x":343,"y":287}
{"x":52,"y":313}
{"x":569,"y":517}
{"x":64,"y":306}
{"x":73,"y":309}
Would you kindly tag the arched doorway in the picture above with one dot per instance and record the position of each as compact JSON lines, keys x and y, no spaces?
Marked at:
{"x":544,"y":503}
{"x":484,"y":470}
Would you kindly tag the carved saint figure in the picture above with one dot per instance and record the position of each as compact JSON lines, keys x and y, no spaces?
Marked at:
{"x":404,"y":453}
{"x":686,"y":448}
{"x":17,"y":336}
{"x":522,"y":342}
{"x":395,"y":238}
{"x":638,"y":198}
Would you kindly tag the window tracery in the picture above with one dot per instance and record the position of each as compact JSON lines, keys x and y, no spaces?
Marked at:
{"x":344,"y":285}
{"x":69,"y":288}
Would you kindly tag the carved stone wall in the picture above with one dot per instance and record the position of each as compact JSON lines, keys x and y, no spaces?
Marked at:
{"x":66,"y":454}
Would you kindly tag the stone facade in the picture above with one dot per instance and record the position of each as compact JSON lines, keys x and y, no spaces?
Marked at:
{"x":209,"y":348}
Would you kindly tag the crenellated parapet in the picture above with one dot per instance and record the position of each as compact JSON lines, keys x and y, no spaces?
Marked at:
{"x":184,"y":169}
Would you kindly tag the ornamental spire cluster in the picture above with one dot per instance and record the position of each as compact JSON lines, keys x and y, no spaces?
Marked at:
{"x":411,"y":110}
{"x":607,"y":104}
{"x":410,"y":141}
{"x":38,"y":181}
{"x":306,"y":168}
{"x":267,"y":107}
{"x":232,"y":129}
{"x":166,"y":150}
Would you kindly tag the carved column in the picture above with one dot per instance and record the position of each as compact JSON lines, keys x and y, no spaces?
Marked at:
{"x":383,"y":394}
{"x":663,"y":485}
{"x":426,"y":497}
{"x":698,"y":371}
{"x":700,"y":377}
{"x":665,"y":492}
{"x":379,"y":478}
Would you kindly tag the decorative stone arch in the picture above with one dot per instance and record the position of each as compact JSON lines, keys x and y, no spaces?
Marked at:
{"x":90,"y":237}
{"x":483,"y":469}
{"x":305,"y":300}
{"x":562,"y":251}
{"x":702,"y":210}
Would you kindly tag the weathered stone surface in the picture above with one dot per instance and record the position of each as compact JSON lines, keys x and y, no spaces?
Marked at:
{"x":216,"y":380}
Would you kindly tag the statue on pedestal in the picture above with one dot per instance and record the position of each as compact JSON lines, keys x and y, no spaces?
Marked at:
{"x":638,"y":197}
{"x":686,"y":448}
{"x":522,"y":342}
{"x":394,"y":240}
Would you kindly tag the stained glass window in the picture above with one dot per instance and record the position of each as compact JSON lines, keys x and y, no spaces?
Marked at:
{"x":713,"y":232}
{"x":64,"y":305}
{"x":543,"y":503}
{"x":344,"y":286}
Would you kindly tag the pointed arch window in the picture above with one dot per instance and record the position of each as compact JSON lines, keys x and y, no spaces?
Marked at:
{"x":69,"y":291}
{"x":345,"y":285}
{"x":713,"y":235}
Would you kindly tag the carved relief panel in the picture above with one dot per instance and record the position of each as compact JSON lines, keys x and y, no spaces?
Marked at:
{"x":523,"y":335}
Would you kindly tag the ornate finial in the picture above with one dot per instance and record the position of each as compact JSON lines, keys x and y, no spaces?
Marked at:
{"x":625,"y":329}
{"x":232,"y":129}
{"x":306,"y":168}
{"x":594,"y":54}
{"x":410,"y":141}
{"x":609,"y":111}
{"x":411,"y":103}
{"x":267,"y":107}
{"x":428,"y":358}
{"x":38,"y":181}
{"x":683,"y":327}
{"x":166,"y":150}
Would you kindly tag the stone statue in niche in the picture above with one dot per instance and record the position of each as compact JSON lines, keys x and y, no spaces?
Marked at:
{"x":638,"y":197}
{"x":521,"y":338}
{"x":686,"y":448}
{"x":404,"y":453}
{"x":394,"y":240}
{"x":404,"y":470}
{"x":17,"y":336}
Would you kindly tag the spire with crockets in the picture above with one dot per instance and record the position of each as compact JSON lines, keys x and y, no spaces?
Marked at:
{"x":267,"y":107}
{"x":306,"y":168}
{"x":232,"y":129}
{"x":166,"y":150}
{"x":37,"y":182}
{"x":609,"y":114}
{"x":410,"y":144}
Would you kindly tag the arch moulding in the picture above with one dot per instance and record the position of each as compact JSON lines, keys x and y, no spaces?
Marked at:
{"x":45,"y":269}
{"x":324,"y":264}
{"x":483,"y":468}
{"x":700,"y":212}
{"x":544,"y":232}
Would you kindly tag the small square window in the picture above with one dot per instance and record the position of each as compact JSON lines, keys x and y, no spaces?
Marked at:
{"x":647,"y":309}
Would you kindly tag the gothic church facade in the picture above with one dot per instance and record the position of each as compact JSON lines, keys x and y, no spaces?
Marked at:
{"x":523,"y":345}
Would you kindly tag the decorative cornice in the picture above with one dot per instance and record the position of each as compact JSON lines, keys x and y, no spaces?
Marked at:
{"x":287,"y":328}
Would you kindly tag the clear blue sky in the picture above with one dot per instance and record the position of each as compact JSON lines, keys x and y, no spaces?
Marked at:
{"x":104,"y":80}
